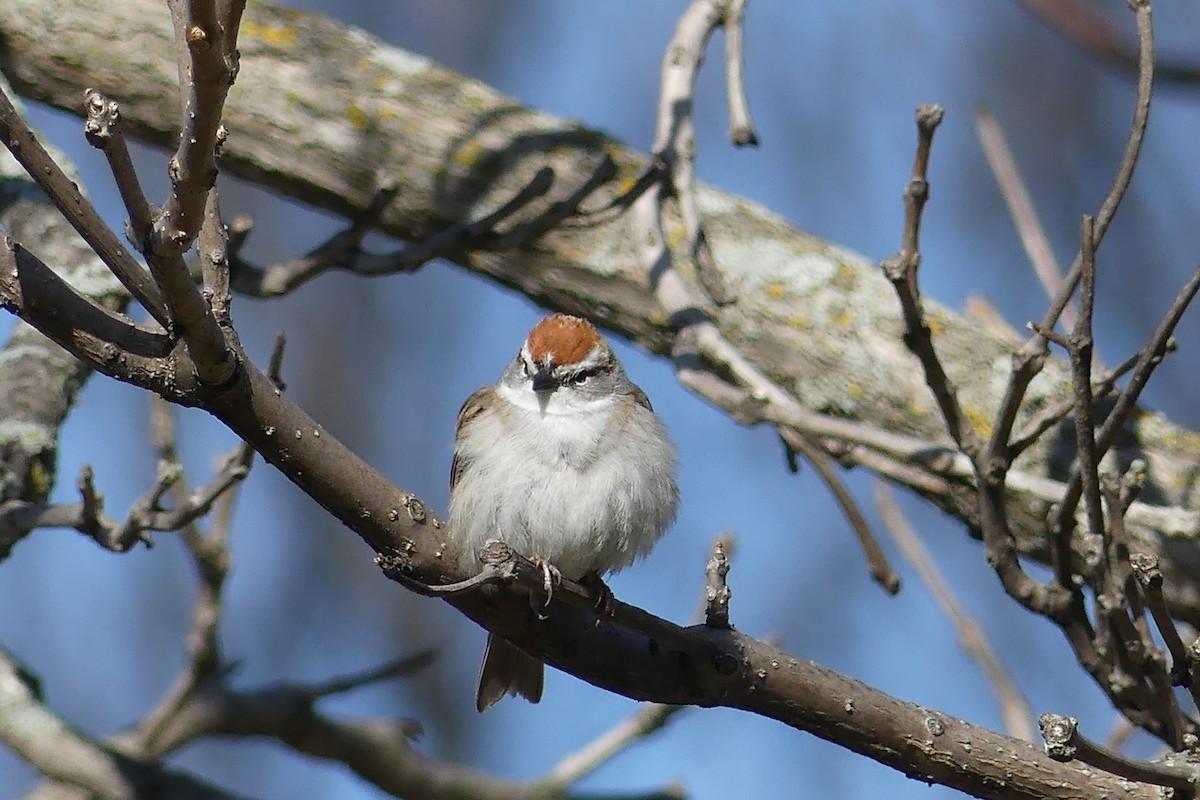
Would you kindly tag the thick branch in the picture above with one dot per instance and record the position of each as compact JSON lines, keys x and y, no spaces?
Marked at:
{"x":483,"y":149}
{"x":439,"y":124}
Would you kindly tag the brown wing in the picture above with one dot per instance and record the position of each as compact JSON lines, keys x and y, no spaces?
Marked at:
{"x":641,"y":398}
{"x":475,"y":405}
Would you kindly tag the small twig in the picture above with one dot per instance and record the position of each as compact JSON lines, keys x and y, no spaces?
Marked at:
{"x":1014,"y":708}
{"x":211,"y":561}
{"x":558,"y":212}
{"x":104,"y":131}
{"x":649,"y":719}
{"x":1150,"y":356}
{"x":741,"y":129}
{"x":205,"y":76}
{"x":716,"y":589}
{"x":1030,"y":358}
{"x":675,"y":144}
{"x":1148,"y":359}
{"x":213,"y":248}
{"x":1053,"y":415}
{"x":1064,"y":742}
{"x":275,"y":365}
{"x":1120,"y":733}
{"x":1149,"y":578}
{"x":77,"y":209}
{"x":61,"y":753}
{"x":894,"y":454}
{"x":901,"y":269}
{"x":877,"y":563}
{"x":1080,"y":350}
{"x":1020,"y":207}
{"x":343,"y":251}
{"x":401,"y":667}
{"x":230,"y":15}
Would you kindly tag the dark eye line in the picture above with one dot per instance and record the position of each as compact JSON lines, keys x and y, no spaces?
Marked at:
{"x":584,"y":374}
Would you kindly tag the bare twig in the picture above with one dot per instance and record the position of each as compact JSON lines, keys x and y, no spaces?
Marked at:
{"x":1080,"y":350}
{"x":877,"y":563}
{"x":675,"y":146}
{"x":1149,"y":357}
{"x":1149,"y":577}
{"x":716,"y":588}
{"x":901,"y":269}
{"x":402,"y":667}
{"x":1033,"y":430}
{"x":63,"y":754}
{"x":649,"y":719}
{"x":205,"y":76}
{"x":1020,"y":207}
{"x":1027,"y":363}
{"x":229,"y":13}
{"x":210,"y":557}
{"x":82,"y":215}
{"x":741,"y":129}
{"x":911,"y":460}
{"x":213,"y":249}
{"x":1064,"y":742}
{"x":1014,"y":708}
{"x":104,"y":131}
{"x":343,"y":251}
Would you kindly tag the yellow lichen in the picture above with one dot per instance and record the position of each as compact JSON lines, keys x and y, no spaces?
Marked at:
{"x":468,"y":154}
{"x":358,"y":117}
{"x":38,"y":482}
{"x":775,"y":290}
{"x":979,"y":420}
{"x":275,"y":35}
{"x":845,"y":278}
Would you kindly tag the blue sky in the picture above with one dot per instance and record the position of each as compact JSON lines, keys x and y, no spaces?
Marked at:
{"x":384,"y":364}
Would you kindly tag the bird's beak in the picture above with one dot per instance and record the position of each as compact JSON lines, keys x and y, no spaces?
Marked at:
{"x":544,"y":381}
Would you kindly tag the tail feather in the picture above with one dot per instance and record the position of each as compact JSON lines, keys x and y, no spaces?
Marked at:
{"x":507,"y":670}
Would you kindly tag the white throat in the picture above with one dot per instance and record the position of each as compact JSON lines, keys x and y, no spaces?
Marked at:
{"x":563,"y":428}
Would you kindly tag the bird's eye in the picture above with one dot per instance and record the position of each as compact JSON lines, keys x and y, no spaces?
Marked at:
{"x":525,"y":368}
{"x":583,"y":375}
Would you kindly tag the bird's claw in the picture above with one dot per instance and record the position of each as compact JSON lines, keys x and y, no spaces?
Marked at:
{"x":602,"y":596}
{"x":551,"y":577}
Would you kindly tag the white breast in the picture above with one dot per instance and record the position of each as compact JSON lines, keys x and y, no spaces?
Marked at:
{"x":588,"y":487}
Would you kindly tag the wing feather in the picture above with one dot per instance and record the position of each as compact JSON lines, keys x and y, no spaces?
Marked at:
{"x":475,"y":405}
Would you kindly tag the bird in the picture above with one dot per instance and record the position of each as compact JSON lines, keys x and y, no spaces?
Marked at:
{"x":565,"y":460}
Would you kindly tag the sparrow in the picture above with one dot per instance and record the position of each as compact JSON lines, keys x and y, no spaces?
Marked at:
{"x":564,"y":460}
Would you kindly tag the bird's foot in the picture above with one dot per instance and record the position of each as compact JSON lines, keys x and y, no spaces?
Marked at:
{"x":602,"y":596}
{"x":551,"y":578}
